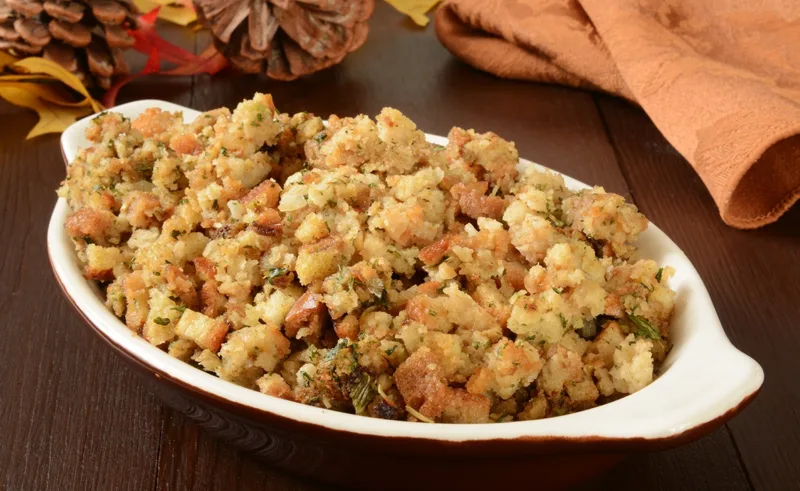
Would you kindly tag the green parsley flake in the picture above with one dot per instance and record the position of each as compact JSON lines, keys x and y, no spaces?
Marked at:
{"x":275,"y":273}
{"x":362,"y":393}
{"x":646,"y":330}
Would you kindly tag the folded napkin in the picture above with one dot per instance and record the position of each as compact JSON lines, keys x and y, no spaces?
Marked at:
{"x":719,"y":78}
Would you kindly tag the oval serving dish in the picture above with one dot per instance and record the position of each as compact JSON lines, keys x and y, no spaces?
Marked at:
{"x":703,"y":382}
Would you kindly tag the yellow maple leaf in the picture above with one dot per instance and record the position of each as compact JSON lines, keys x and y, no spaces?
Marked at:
{"x":6,"y":59}
{"x":52,"y":118}
{"x":47,"y":89}
{"x":40,"y":65}
{"x":415,"y":9}
{"x":177,"y":12}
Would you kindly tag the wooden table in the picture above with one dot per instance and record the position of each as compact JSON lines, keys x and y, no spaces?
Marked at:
{"x":72,"y":416}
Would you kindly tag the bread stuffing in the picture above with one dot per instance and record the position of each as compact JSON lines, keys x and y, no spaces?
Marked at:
{"x":354,"y":266}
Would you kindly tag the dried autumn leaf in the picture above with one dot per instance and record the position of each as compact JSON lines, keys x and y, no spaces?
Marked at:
{"x":6,"y":59}
{"x":181,"y":12}
{"x":415,"y":9}
{"x":153,"y":65}
{"x":52,"y":118}
{"x":147,"y":39}
{"x":209,"y":61}
{"x":46,"y":89}
{"x":40,"y":65}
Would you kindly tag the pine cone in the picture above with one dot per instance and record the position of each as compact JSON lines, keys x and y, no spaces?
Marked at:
{"x":87,"y":37}
{"x":285,"y":38}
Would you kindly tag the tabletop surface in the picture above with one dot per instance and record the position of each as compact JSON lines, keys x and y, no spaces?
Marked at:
{"x":74,"y":417}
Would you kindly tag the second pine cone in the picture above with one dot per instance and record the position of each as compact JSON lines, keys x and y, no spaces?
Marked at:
{"x":285,"y":38}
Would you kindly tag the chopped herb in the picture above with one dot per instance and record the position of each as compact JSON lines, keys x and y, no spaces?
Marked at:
{"x":440,"y":290}
{"x":275,"y":273}
{"x":390,"y":350}
{"x":558,"y":290}
{"x":362,"y":393}
{"x":223,"y":151}
{"x":215,"y":205}
{"x":647,"y":287}
{"x":179,"y":308}
{"x":589,"y":329}
{"x":658,"y":275}
{"x":354,"y":282}
{"x":99,"y":116}
{"x":563,"y":321}
{"x":331,"y":354}
{"x":161,"y":144}
{"x":646,"y":330}
{"x":260,"y":117}
{"x":176,"y":233}
{"x":380,"y":300}
{"x":183,"y":201}
{"x":87,"y":239}
{"x":320,"y":136}
{"x":156,"y":273}
{"x":432,"y":313}
{"x":306,"y":377}
{"x":161,"y":321}
{"x":175,"y":298}
{"x":501,"y":349}
{"x":98,"y":187}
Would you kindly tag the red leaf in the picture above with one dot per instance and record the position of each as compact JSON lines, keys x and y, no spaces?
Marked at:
{"x":148,"y":39}
{"x":210,"y":61}
{"x":153,"y":65}
{"x":150,"y":17}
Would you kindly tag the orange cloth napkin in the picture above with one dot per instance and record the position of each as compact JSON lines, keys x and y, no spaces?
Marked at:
{"x":719,"y":78}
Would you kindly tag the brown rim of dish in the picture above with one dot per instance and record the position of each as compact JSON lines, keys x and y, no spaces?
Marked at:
{"x":530,"y":445}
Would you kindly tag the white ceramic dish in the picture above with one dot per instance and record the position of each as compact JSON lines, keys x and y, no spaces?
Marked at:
{"x":704,"y":380}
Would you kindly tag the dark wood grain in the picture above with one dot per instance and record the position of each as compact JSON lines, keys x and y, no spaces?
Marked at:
{"x":708,"y":464}
{"x":72,"y":417}
{"x":190,"y":460}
